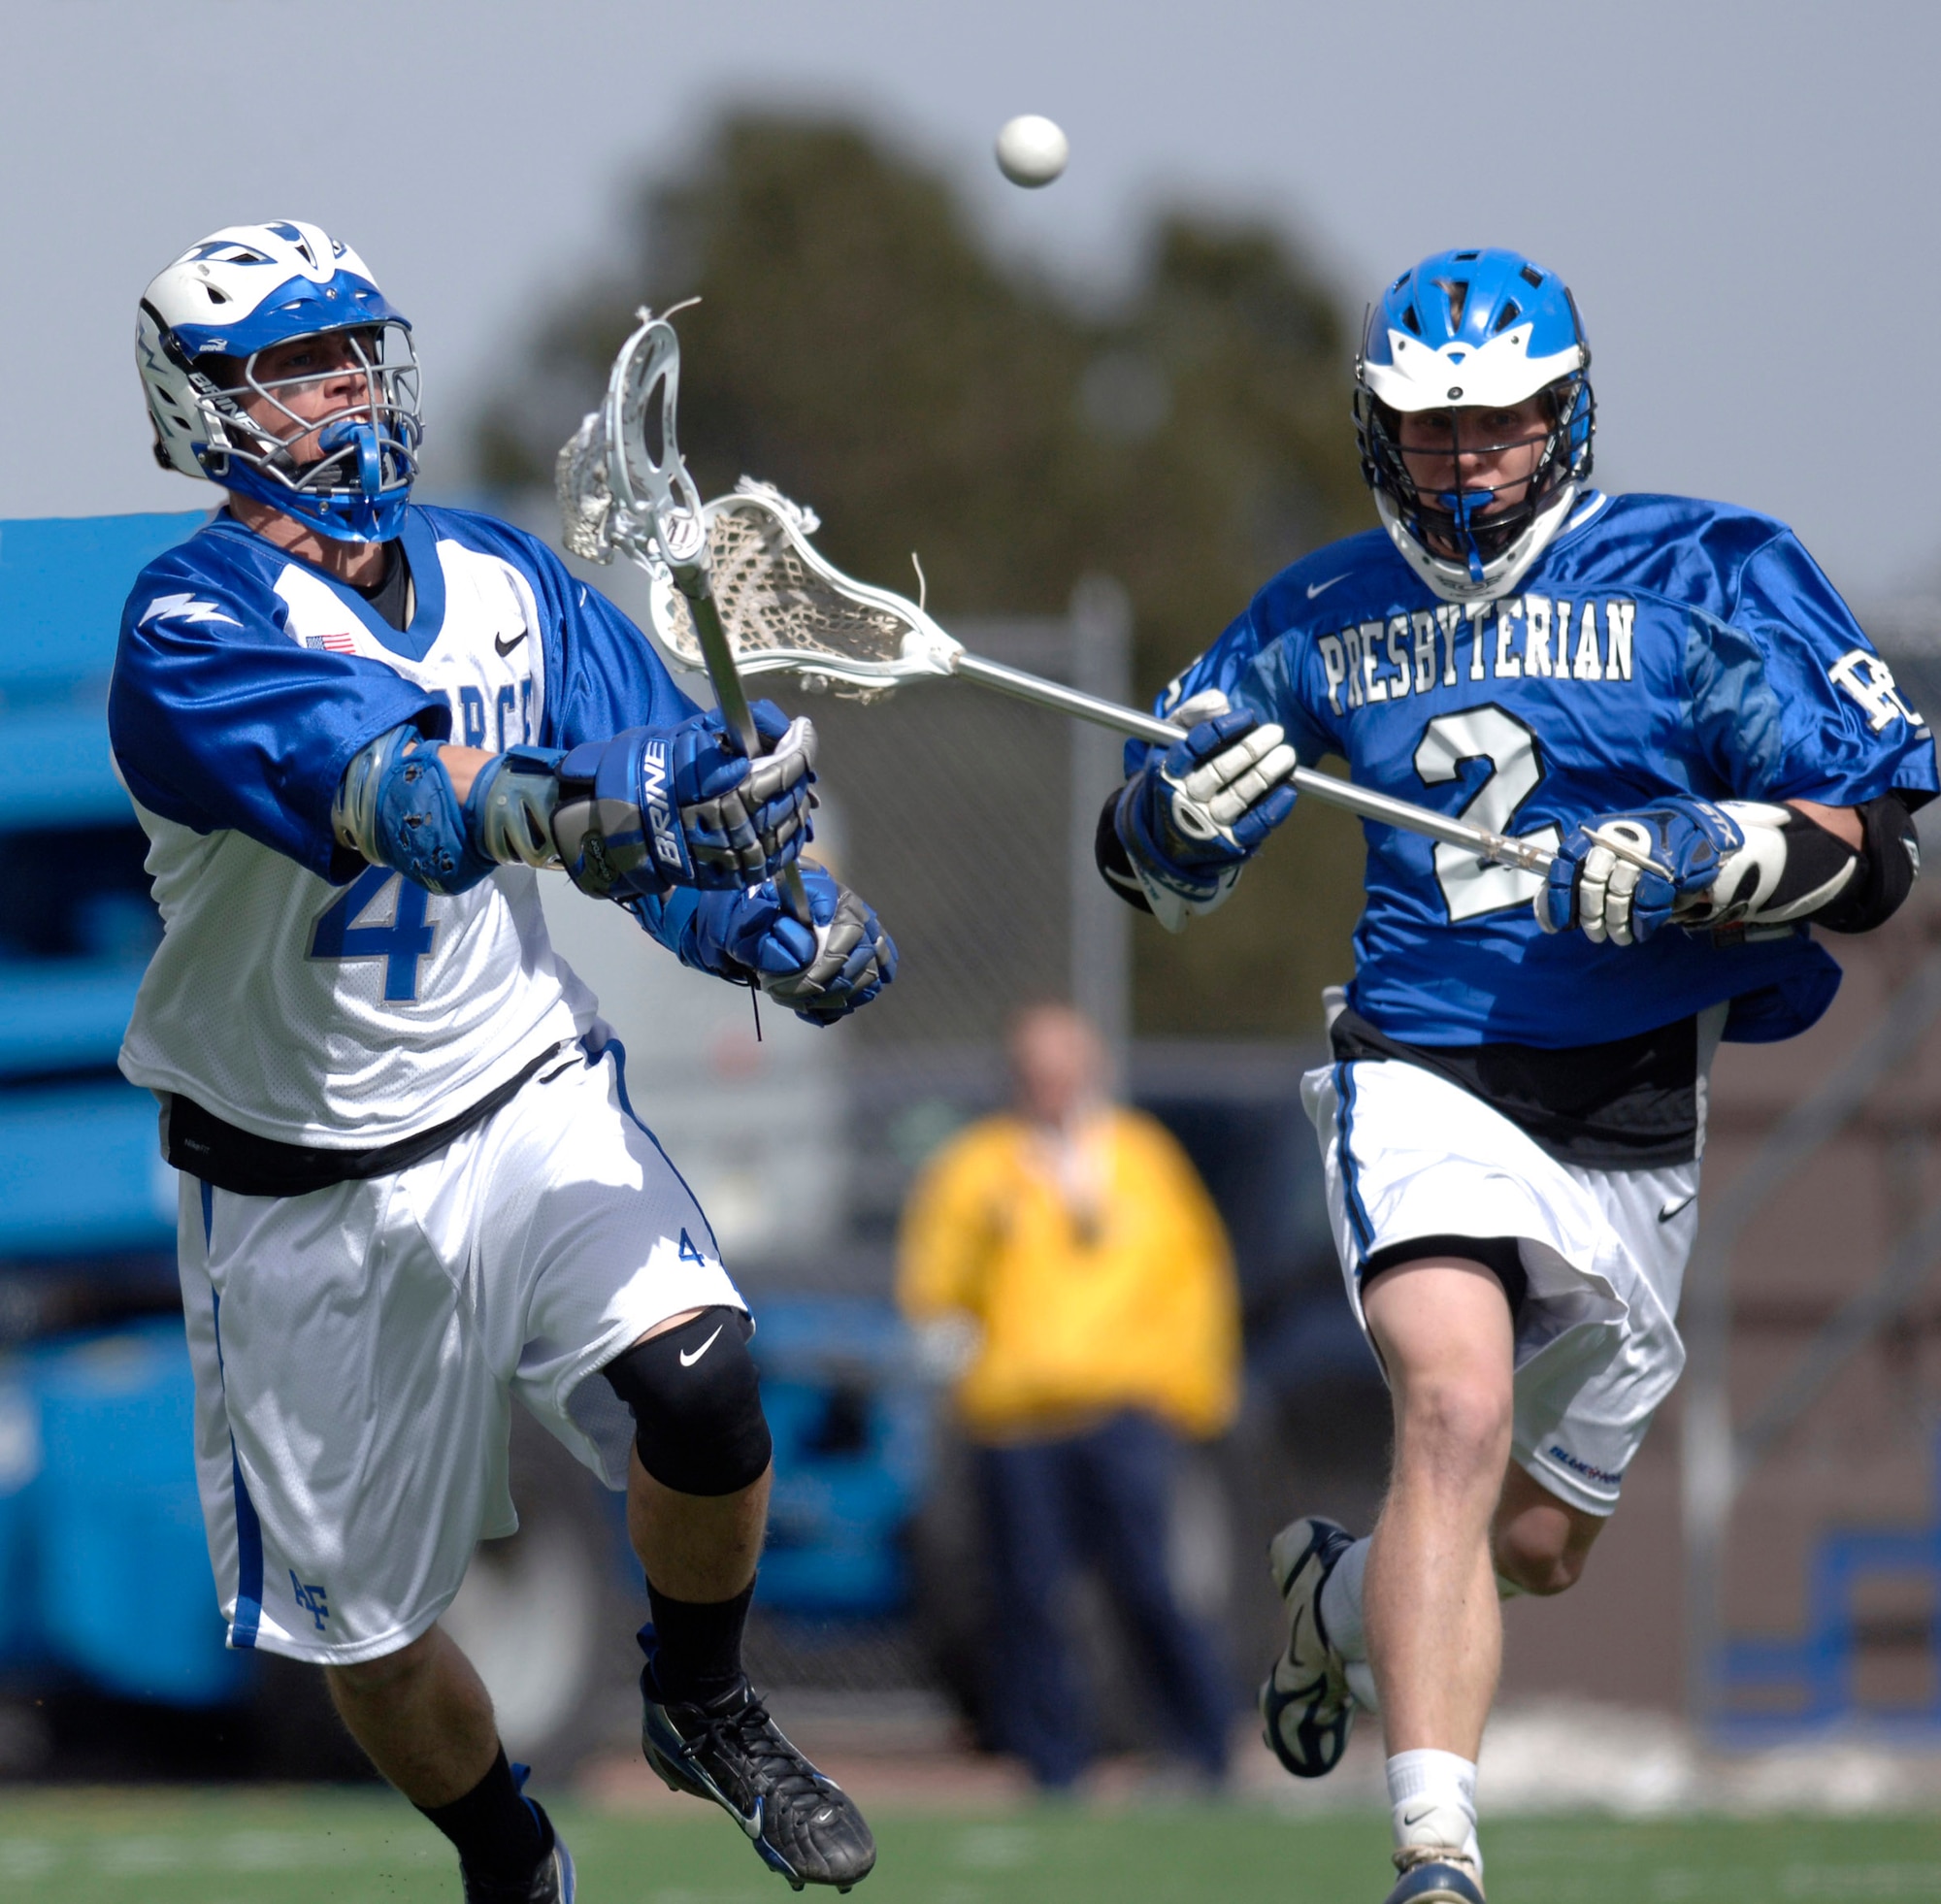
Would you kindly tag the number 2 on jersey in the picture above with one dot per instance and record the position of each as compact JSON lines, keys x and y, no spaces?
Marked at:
{"x":1471,"y":887}
{"x":401,"y":940}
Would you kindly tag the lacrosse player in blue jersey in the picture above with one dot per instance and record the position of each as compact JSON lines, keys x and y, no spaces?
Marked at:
{"x":413,"y":1189}
{"x":1512,"y":1124}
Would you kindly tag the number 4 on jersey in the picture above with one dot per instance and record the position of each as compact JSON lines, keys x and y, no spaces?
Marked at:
{"x":401,"y":940}
{"x":1471,"y":887}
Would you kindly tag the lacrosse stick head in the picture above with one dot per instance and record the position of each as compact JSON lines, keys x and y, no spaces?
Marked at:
{"x":623,"y":484}
{"x":787,"y":610}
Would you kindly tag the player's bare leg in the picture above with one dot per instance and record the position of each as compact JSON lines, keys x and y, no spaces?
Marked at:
{"x":1541,"y":1544}
{"x":424,"y":1719}
{"x":695,"y":1547}
{"x":1433,"y":1623}
{"x":422,"y":1716}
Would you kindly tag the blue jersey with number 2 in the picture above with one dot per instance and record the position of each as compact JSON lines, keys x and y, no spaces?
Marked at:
{"x":1660,"y":646}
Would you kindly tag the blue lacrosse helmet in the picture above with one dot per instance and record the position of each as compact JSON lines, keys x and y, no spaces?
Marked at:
{"x":204,"y":325}
{"x":1470,"y":334}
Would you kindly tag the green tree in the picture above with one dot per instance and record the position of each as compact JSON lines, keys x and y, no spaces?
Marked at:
{"x":858,"y":345}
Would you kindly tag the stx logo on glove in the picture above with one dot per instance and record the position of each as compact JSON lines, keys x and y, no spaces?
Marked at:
{"x":659,"y":807}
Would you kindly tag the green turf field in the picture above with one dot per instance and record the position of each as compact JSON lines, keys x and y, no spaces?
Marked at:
{"x":207,"y":1846}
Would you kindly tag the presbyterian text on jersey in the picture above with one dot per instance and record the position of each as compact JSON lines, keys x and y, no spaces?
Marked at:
{"x":1519,"y":637}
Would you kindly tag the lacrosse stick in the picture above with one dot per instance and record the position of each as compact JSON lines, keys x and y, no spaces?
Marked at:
{"x":786,"y":609}
{"x":618,"y":491}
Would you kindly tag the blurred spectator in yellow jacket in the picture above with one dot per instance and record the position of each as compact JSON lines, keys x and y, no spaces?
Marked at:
{"x":1074,"y":1247}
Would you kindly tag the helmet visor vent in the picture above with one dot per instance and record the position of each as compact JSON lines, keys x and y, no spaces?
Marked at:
{"x":1456,"y":291}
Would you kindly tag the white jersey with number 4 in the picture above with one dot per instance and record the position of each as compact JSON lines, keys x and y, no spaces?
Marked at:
{"x":299,"y":992}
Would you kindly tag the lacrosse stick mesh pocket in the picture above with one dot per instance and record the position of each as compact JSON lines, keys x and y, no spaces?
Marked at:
{"x":773,"y":601}
{"x":585,"y":501}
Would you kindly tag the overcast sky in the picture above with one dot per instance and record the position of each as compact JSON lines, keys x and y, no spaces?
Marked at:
{"x":1742,"y":196}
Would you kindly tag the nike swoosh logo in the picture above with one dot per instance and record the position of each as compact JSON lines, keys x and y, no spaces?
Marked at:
{"x":688,"y":1360}
{"x":1321,"y":588}
{"x":1673,"y":1206}
{"x":1410,"y":1820}
{"x":505,"y":647}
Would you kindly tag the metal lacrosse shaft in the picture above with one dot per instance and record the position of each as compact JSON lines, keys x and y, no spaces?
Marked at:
{"x":1362,"y":801}
{"x":647,"y":375}
{"x":732,"y":698}
{"x":647,"y":371}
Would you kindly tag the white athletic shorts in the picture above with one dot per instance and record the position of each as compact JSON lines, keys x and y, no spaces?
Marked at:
{"x":1409,"y":1154}
{"x":356,"y":1351}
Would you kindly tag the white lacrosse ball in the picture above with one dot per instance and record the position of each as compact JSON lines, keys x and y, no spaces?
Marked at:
{"x":1032,"y":150}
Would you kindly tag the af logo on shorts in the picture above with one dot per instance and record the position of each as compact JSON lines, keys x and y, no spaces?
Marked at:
{"x":310,"y":1598}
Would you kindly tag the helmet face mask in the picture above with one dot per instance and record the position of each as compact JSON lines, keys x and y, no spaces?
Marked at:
{"x":332,"y":463}
{"x":332,"y":443}
{"x":1473,"y":336}
{"x":1463,"y":517}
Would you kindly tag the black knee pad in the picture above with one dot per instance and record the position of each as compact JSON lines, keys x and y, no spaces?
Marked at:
{"x":697,"y":1404}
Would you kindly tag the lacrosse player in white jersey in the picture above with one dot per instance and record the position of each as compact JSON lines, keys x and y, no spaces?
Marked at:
{"x":412,"y":1186}
{"x":1512,"y":1125}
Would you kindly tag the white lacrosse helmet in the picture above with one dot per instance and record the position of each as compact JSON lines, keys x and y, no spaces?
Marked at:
{"x":1466,"y":332}
{"x":203,"y":322}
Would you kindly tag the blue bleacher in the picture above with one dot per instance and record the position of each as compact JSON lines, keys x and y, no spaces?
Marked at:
{"x":78,"y":1170}
{"x":98,"y":1508}
{"x":851,"y":1421}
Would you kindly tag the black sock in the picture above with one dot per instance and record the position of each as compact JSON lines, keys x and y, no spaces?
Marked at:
{"x":498,"y":1834}
{"x":698,"y":1644}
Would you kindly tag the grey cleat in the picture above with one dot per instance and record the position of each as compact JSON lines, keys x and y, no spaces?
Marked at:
{"x":1435,"y":1874}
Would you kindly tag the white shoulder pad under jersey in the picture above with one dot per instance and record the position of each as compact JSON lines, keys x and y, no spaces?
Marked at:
{"x":299,"y":992}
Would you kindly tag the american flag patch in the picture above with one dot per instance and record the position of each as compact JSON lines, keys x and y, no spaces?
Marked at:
{"x":335,"y":644}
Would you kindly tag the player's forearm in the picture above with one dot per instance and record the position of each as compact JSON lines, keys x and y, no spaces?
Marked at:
{"x":1845,"y":868}
{"x":447,"y":817}
{"x":1842,"y":822}
{"x":463,"y":766}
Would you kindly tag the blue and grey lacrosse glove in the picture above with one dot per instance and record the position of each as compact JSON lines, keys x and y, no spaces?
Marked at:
{"x":1191,"y":817}
{"x":822,"y":975}
{"x":1608,"y":897}
{"x":661,"y":807}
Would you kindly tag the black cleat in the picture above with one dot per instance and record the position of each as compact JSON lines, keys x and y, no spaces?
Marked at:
{"x":802,"y":1824}
{"x":551,"y":1884}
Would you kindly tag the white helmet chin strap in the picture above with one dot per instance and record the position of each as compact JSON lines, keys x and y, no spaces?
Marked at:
{"x":1452,"y":580}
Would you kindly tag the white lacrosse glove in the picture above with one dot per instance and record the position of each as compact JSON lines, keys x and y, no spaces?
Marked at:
{"x":1192,"y":816}
{"x":1607,"y":895}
